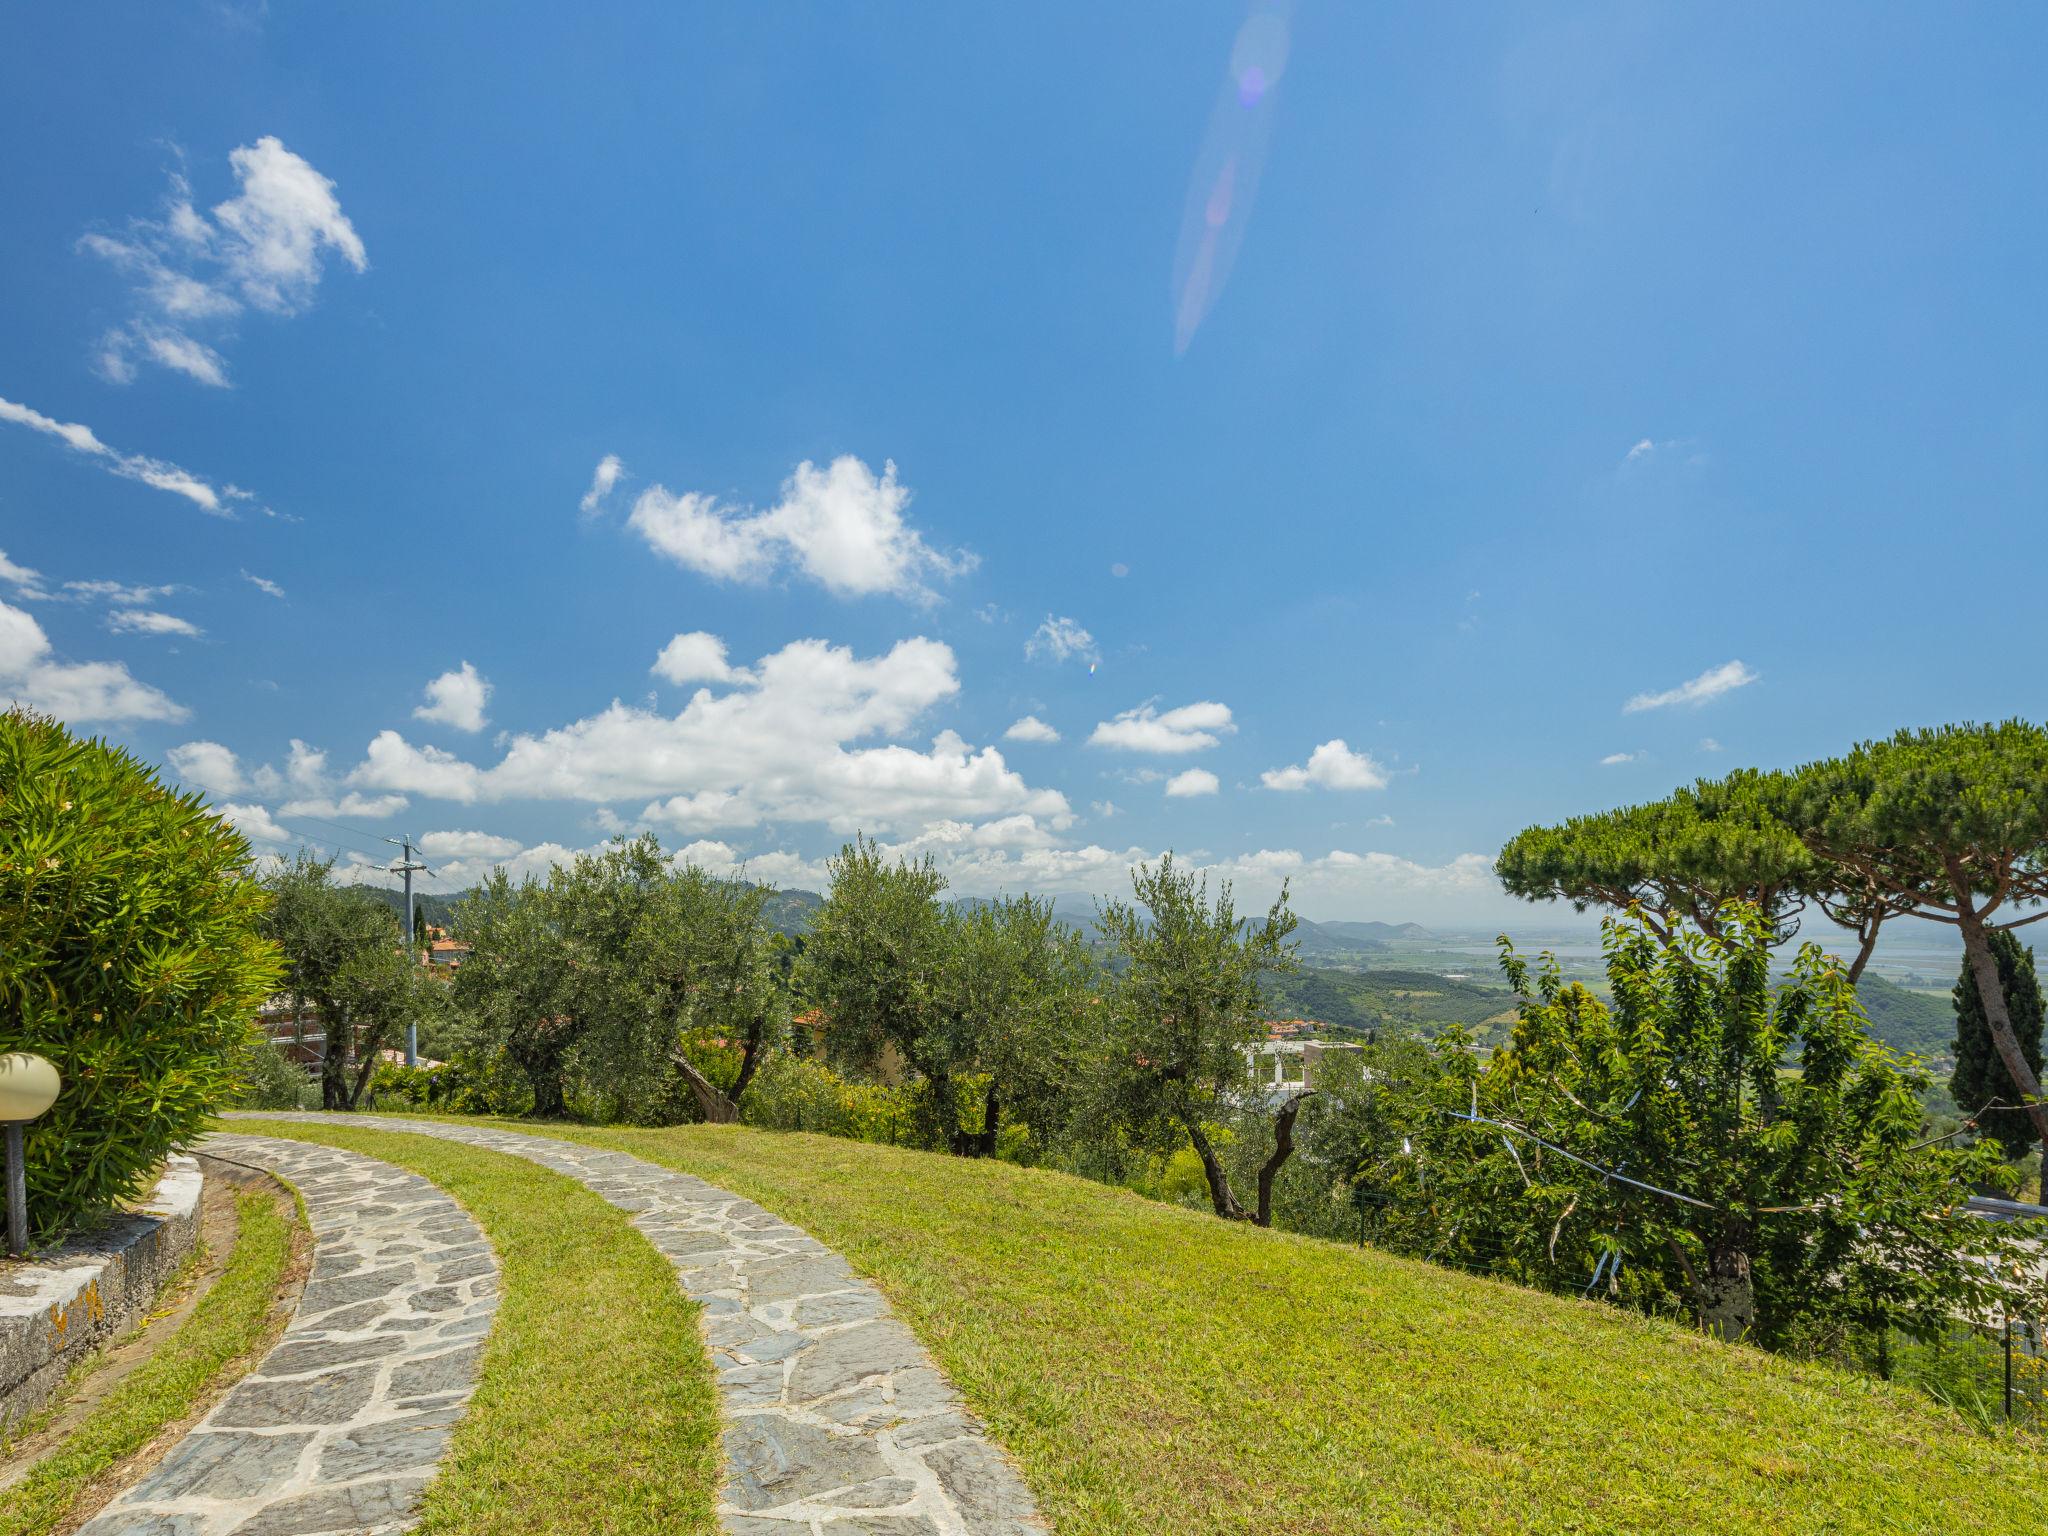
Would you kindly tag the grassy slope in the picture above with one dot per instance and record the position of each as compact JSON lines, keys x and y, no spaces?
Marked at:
{"x":229,"y":1320}
{"x":596,"y":1410}
{"x":1156,"y":1371}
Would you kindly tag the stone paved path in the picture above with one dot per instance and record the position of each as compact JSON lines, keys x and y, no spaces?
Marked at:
{"x":341,"y":1425}
{"x":837,"y":1421}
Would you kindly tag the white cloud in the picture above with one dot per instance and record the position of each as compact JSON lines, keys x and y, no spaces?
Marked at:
{"x":1196,"y":781}
{"x":468,"y":845}
{"x":1616,"y":759}
{"x":76,"y":692}
{"x":842,"y":527}
{"x":1104,"y":808}
{"x":263,"y":248}
{"x":1710,"y":684}
{"x":1708,"y":744}
{"x":1031,"y":728}
{"x":1642,"y":450}
{"x":128,"y":466}
{"x":325,"y":807}
{"x":255,"y":823}
{"x":26,"y":583}
{"x":1333,"y":765}
{"x":601,"y":482}
{"x":307,"y":766}
{"x":1062,"y":640}
{"x":209,"y":766}
{"x":1338,"y":884}
{"x":457,"y":699}
{"x":1190,"y":728}
{"x":787,"y":741}
{"x":695,"y":657}
{"x":117,"y":592}
{"x":145,"y":621}
{"x":263,"y":584}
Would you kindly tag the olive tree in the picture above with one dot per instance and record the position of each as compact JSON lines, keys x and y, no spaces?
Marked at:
{"x":345,"y":954}
{"x":1016,"y":991}
{"x":511,"y":992}
{"x":874,"y":963}
{"x":718,"y":965}
{"x":1185,"y":1011}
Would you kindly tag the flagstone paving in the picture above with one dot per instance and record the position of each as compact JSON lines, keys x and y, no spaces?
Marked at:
{"x":341,"y":1425}
{"x":837,"y":1421}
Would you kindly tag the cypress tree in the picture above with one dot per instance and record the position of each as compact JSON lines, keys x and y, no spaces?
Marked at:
{"x":1980,"y":1076}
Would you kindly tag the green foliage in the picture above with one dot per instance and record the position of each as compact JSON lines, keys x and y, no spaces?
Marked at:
{"x":345,"y":954}
{"x":1980,"y":1083}
{"x":1184,"y":1007}
{"x":132,"y":959}
{"x":1680,"y":858}
{"x":272,"y":1080}
{"x":1703,"y":1179}
{"x":624,"y":985}
{"x":794,"y":1094}
{"x":1949,"y":825}
{"x":512,"y":993}
{"x":875,"y":958}
{"x":1920,"y":1022}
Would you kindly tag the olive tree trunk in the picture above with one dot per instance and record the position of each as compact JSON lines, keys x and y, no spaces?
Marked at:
{"x":1727,"y":1289}
{"x":1220,"y":1193}
{"x":1283,"y":1149}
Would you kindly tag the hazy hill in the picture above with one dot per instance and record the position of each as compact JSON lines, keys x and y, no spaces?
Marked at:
{"x":1390,"y":1001}
{"x":1377,"y":933}
{"x":1908,"y":1021}
{"x":438,"y":909}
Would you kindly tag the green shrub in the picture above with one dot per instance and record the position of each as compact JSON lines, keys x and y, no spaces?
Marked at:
{"x":793,"y":1094}
{"x":130,"y":959}
{"x":472,"y":1084}
{"x":272,"y":1080}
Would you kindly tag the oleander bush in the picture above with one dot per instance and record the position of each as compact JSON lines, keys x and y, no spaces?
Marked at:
{"x":131,"y":959}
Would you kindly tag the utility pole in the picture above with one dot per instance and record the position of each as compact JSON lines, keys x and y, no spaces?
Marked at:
{"x":405,"y":866}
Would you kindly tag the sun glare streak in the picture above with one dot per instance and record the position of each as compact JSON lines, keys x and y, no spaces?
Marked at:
{"x":1226,"y":174}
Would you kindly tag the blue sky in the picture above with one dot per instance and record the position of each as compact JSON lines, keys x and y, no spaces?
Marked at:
{"x":1434,"y":382}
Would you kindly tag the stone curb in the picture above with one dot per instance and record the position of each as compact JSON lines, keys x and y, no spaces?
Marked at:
{"x":837,"y":1421}
{"x":340,"y":1427}
{"x":64,"y":1305}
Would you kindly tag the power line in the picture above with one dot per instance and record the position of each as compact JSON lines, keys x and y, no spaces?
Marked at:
{"x":355,"y":832}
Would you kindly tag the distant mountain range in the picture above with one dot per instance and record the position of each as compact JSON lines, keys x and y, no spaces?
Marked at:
{"x":791,"y":911}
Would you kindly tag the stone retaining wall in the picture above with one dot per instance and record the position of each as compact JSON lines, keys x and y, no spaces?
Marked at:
{"x":60,"y":1306}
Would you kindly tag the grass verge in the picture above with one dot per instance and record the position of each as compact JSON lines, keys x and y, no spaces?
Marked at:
{"x":229,"y":1321}
{"x":1160,"y":1373}
{"x":595,"y":1411}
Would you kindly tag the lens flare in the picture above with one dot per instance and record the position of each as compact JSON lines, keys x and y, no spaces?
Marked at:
{"x":1226,"y":174}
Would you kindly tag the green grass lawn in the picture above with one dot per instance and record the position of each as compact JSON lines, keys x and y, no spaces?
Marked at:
{"x":1157,"y":1371}
{"x":595,"y":1411}
{"x":226,"y":1324}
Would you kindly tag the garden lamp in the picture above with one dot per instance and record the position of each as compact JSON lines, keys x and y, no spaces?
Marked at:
{"x":28,"y":1086}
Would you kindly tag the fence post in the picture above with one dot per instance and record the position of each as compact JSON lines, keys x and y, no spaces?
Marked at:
{"x":2008,"y":1370}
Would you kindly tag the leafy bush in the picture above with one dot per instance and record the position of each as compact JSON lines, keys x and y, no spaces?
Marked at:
{"x":131,"y":960}
{"x":472,"y":1084}
{"x":272,"y":1080}
{"x":794,"y":1094}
